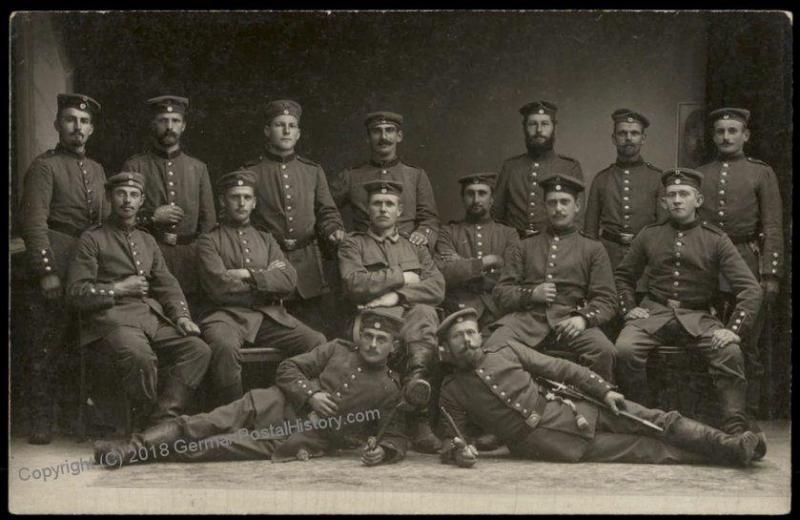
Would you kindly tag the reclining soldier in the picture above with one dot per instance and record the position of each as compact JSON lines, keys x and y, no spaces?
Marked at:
{"x":504,"y":389}
{"x":316,"y":403}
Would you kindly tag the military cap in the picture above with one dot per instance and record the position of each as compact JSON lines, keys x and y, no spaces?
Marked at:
{"x":237,"y":178}
{"x":460,"y":315}
{"x":134,"y":179}
{"x":685,"y":176}
{"x":79,"y":101}
{"x":626,"y":115}
{"x":539,"y":107}
{"x":383,"y":186}
{"x":283,"y":107}
{"x":737,"y":114}
{"x":563,"y":183}
{"x":162,"y":104}
{"x":489,"y":178}
{"x":383,"y":117}
{"x":385,"y":319}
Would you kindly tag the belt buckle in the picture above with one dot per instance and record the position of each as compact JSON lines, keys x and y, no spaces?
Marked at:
{"x":530,"y":232}
{"x":674,"y":304}
{"x":170,"y":238}
{"x":533,"y":420}
{"x":626,"y":238}
{"x":289,"y":243}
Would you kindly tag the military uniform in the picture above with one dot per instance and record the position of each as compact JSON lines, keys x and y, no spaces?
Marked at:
{"x":62,"y":196}
{"x":500,"y":393}
{"x":250,"y":311}
{"x":176,"y":179}
{"x":459,"y":250}
{"x":623,"y":199}
{"x":743,"y":199}
{"x":136,"y":332}
{"x":277,"y":422}
{"x":685,"y":262}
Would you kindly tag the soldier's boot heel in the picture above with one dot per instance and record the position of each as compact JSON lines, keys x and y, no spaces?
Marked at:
{"x":738,"y":450}
{"x":141,"y":447}
{"x":171,"y":401}
{"x":425,"y":441}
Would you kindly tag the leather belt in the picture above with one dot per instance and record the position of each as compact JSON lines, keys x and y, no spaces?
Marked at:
{"x":67,"y":229}
{"x":742,"y":239}
{"x":676,"y":304}
{"x":292,"y":244}
{"x":623,"y":239}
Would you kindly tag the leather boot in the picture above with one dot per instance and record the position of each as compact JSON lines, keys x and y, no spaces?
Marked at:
{"x":425,"y":441}
{"x":171,"y":401}
{"x":142,"y":447}
{"x":732,"y":393}
{"x":228,"y":394}
{"x":720,"y":447}
{"x":487,"y":442}
{"x":41,"y":428}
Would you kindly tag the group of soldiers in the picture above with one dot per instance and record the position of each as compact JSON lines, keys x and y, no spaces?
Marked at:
{"x":464,"y":314}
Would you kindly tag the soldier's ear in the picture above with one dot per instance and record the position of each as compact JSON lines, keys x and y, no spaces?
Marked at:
{"x":399,"y":135}
{"x":399,"y":209}
{"x":700,"y":198}
{"x":662,"y":201}
{"x":746,"y":134}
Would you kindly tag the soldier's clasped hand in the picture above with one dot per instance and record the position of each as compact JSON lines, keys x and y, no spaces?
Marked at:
{"x":571,"y":327}
{"x":322,"y":403}
{"x":389,"y":299}
{"x":168,"y":214}
{"x":615,"y":401}
{"x":372,"y":456}
{"x":187,"y":327}
{"x":637,"y":313}
{"x":544,"y":293}
{"x":51,"y":286}
{"x":466,"y":455}
{"x":337,"y":236}
{"x":418,"y":239}
{"x":134,"y":285}
{"x":492,"y":262}
{"x":724,"y":337}
{"x":410,"y":277}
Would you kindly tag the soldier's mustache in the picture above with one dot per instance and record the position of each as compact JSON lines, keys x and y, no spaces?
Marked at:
{"x":383,"y":141}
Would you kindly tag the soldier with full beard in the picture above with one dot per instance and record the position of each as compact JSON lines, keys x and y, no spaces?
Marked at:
{"x":519,"y":199}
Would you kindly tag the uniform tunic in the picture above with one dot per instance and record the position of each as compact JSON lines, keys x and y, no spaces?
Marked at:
{"x":501,"y":395}
{"x":742,"y":198}
{"x":62,"y":196}
{"x":244,"y":310}
{"x":623,"y":199}
{"x":295,"y":206}
{"x":580,"y":269}
{"x":459,"y":250}
{"x":176,"y":179}
{"x":685,"y":263}
{"x":334,"y":367}
{"x":419,"y":205}
{"x":372,"y":266}
{"x":130,"y":325}
{"x":519,"y":198}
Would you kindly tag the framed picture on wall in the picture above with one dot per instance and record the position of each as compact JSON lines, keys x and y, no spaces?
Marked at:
{"x":691,"y":134}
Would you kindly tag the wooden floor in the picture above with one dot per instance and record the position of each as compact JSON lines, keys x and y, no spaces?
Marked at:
{"x":419,"y":484}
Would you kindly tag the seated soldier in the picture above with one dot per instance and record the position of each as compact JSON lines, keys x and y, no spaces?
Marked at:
{"x":506,"y":388}
{"x":245,"y":274}
{"x":382,"y":268}
{"x":685,"y":260}
{"x":557,"y":286}
{"x":317,"y":400}
{"x":134,"y":311}
{"x":470,"y":253}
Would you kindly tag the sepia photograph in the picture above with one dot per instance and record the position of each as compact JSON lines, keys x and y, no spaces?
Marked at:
{"x":398,"y":262}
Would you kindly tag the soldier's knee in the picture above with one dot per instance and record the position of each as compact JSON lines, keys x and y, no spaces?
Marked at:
{"x":224,"y":347}
{"x":315,"y":338}
{"x":730,"y":356}
{"x":199,"y":349}
{"x":422,"y":312}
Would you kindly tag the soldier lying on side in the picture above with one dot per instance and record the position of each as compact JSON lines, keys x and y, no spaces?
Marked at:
{"x":337,"y":390}
{"x":499,"y":389}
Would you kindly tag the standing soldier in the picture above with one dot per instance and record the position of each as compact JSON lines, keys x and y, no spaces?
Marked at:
{"x":135,"y":312}
{"x":420,"y":218}
{"x":742,"y":198}
{"x":470,"y":253}
{"x":558,"y":287}
{"x":295,"y":206}
{"x":246,"y":276}
{"x":624,"y":197}
{"x":178,"y":202}
{"x":685,"y":260}
{"x":519,"y":201}
{"x":382,"y":268}
{"x":62,"y":197}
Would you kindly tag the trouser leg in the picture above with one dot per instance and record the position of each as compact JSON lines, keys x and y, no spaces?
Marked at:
{"x":595,"y":351}
{"x":726,"y":367}
{"x":134,"y":361}
{"x":185,"y":360}
{"x":293,"y":341}
{"x":632,"y":350}
{"x":225,"y":366}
